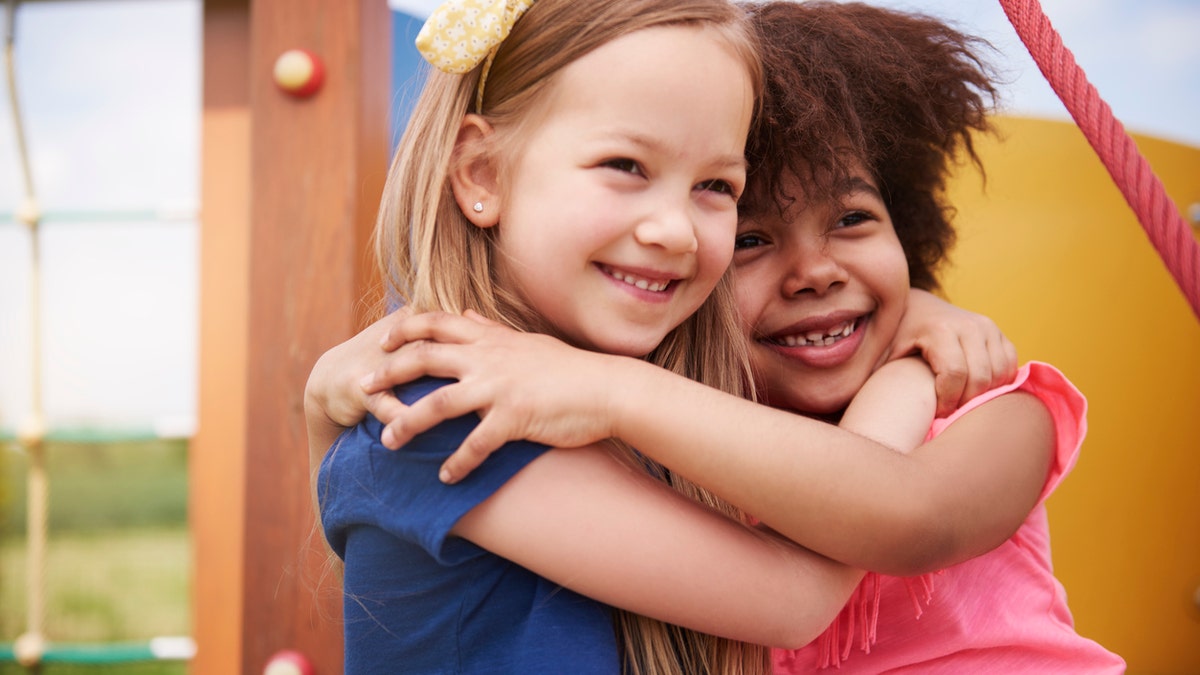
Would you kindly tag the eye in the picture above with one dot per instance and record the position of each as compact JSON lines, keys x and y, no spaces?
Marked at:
{"x":624,"y":165}
{"x":748,"y":240}
{"x":719,"y":186}
{"x":853,"y":218}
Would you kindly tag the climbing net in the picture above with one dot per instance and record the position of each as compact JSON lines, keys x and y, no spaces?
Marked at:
{"x":32,"y":649}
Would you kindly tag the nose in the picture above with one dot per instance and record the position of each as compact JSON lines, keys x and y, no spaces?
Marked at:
{"x":812,"y":268}
{"x":669,"y":227}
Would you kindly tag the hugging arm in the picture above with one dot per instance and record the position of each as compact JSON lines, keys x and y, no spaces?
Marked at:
{"x":617,"y":535}
{"x":836,"y":493}
{"x":954,"y":497}
{"x":967,"y":352}
{"x":598,"y":525}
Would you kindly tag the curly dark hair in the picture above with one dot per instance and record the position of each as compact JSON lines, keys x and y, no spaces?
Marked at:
{"x":898,"y":93}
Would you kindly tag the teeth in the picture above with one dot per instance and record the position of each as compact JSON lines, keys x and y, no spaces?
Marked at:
{"x":817,"y":338}
{"x":644,"y":284}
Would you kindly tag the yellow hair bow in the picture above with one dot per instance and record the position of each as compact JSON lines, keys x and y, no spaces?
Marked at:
{"x":460,"y":34}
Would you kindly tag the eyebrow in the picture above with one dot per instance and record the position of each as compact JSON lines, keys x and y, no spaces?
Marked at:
{"x":858,"y":184}
{"x":653,"y":144}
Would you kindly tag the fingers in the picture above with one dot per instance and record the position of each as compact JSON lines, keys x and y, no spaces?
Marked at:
{"x":415,"y":360}
{"x":478,"y":446}
{"x":992,"y":356}
{"x":980,"y":367}
{"x":1006,"y":358}
{"x":384,"y":406}
{"x":445,"y":403}
{"x":983,"y":360}
{"x":949,"y":382}
{"x":436,"y":326}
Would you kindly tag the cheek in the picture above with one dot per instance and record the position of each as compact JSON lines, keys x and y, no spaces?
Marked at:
{"x":887,"y":267}
{"x":715,"y":249}
{"x":898,"y":272}
{"x":748,"y":292}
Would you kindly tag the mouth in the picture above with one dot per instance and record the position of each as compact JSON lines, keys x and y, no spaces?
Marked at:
{"x":819,"y":337}
{"x":654,"y":285}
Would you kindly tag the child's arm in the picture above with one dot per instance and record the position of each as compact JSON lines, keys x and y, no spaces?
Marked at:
{"x":619,"y":537}
{"x":954,"y":497}
{"x":592,"y":523}
{"x":837,"y":493}
{"x":895,"y":406}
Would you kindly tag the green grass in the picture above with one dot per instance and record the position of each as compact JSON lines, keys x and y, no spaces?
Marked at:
{"x":118,"y":564}
{"x":142,"y":668}
{"x":101,"y":486}
{"x":145,"y":668}
{"x":110,"y":586}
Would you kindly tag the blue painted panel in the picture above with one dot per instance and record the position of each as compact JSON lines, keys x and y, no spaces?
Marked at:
{"x":407,"y":69}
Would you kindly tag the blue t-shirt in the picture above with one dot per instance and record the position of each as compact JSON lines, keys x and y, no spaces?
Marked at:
{"x":418,"y":600}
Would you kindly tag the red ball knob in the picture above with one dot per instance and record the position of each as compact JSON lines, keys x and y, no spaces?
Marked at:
{"x":299,"y":72}
{"x":288,"y":662}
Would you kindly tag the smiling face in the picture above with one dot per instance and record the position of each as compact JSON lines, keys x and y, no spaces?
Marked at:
{"x":820,"y":292}
{"x":619,"y":211}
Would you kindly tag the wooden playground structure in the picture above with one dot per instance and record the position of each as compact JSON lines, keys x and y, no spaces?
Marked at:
{"x":289,"y":191}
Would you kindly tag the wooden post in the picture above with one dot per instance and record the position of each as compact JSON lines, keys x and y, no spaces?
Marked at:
{"x":290,"y":190}
{"x":216,"y":464}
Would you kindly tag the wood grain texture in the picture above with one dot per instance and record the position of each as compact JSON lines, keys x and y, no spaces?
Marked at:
{"x":314,"y":171}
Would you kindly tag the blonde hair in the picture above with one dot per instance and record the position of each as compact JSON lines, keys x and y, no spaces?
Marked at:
{"x":433,"y":258}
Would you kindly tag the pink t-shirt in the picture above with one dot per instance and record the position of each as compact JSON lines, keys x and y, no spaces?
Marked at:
{"x":1003,"y":612}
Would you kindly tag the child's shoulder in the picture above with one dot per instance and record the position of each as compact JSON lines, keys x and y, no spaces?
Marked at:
{"x":1067,"y":407}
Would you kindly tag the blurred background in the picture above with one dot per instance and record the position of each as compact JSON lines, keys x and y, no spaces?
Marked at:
{"x":110,"y":98}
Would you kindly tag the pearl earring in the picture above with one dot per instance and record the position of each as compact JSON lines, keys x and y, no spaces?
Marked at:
{"x":478,"y":207}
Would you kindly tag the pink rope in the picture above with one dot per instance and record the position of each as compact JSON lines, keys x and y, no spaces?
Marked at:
{"x":1143,"y":191}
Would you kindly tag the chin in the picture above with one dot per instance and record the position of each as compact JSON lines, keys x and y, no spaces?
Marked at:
{"x":635,"y":348}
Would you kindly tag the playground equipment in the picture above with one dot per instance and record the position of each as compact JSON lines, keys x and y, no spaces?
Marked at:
{"x":1143,"y":190}
{"x":32,"y":648}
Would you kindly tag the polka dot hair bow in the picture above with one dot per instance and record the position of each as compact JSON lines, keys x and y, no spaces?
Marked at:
{"x":460,"y":34}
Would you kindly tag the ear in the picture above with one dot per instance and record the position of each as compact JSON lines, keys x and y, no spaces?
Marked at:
{"x":473,"y":173}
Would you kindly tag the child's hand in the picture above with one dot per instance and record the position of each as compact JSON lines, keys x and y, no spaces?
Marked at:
{"x":523,"y":386}
{"x":967,"y":352}
{"x":333,"y":396}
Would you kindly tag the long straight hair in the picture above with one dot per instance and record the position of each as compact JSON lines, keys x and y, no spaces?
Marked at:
{"x":433,"y":258}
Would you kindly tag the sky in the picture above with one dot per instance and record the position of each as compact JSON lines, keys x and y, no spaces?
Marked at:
{"x":110,"y":99}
